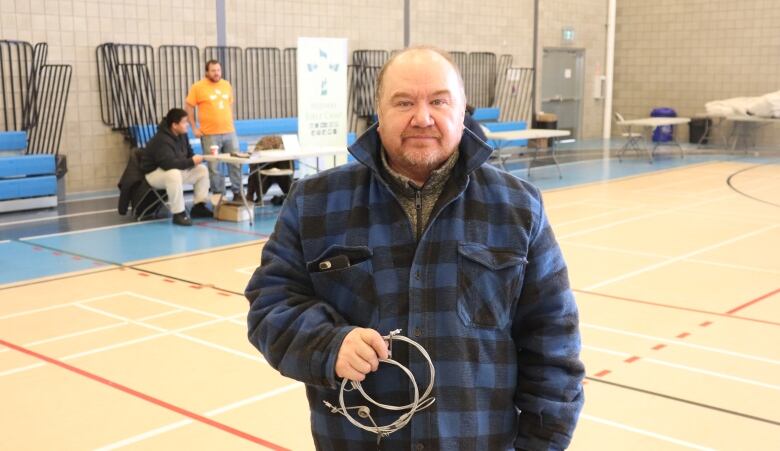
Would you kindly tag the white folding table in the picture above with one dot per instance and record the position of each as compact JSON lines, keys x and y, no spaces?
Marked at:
{"x":263,"y":158}
{"x":531,"y":133}
{"x":652,"y":123}
{"x":745,"y":129}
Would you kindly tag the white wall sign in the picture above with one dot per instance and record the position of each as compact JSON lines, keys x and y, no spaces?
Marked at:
{"x":322,"y":94}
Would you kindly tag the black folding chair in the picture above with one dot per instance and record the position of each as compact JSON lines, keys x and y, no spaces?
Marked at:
{"x":147,"y":200}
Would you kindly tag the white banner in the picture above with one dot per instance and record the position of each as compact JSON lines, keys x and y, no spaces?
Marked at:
{"x":322,"y":95}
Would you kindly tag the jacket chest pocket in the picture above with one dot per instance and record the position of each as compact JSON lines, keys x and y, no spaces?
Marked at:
{"x":490,"y":280}
{"x":343,"y":277}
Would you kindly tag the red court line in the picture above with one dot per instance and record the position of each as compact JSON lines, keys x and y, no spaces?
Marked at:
{"x":705,"y":324}
{"x":602,"y":373}
{"x":658,"y":347}
{"x":676,"y":307}
{"x":227,"y":229}
{"x":754,"y":301}
{"x":145,"y":397}
{"x":683,"y":335}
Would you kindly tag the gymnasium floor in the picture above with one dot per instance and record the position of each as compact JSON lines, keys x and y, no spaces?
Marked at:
{"x":115,"y":334}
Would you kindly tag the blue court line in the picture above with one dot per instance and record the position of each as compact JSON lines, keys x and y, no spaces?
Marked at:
{"x":265,"y":221}
{"x":141,"y":241}
{"x":23,"y":261}
{"x":124,"y":243}
{"x":589,"y":171}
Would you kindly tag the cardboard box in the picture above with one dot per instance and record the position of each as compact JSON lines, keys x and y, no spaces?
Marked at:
{"x":232,"y":211}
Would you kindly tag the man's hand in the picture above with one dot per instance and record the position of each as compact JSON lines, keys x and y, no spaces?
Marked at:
{"x":360,"y":353}
{"x":197,"y":132}
{"x":197,"y":159}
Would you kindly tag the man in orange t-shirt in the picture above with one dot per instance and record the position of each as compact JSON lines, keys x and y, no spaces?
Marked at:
{"x":213,"y":97}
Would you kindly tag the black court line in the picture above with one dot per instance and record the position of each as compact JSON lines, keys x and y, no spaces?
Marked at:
{"x":115,"y":266}
{"x":39,"y":280}
{"x":180,"y":279}
{"x":685,"y":401}
{"x":735,"y":189}
{"x":200,"y":252}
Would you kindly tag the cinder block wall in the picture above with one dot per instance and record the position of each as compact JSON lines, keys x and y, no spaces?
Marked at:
{"x":73,"y":29}
{"x":684,"y":54}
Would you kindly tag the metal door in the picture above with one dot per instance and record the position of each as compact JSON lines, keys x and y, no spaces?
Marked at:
{"x":562,"y":86}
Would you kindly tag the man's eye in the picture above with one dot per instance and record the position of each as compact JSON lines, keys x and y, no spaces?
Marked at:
{"x":404,"y":103}
{"x":438,"y":102}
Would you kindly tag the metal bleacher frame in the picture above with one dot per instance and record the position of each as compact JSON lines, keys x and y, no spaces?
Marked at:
{"x":33,"y":100}
{"x":265,"y":83}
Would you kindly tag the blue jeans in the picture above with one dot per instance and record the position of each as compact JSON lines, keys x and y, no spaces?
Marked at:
{"x":227,"y":142}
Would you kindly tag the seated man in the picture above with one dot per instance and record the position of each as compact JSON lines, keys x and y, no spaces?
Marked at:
{"x":168,"y":162}
{"x":255,"y":192}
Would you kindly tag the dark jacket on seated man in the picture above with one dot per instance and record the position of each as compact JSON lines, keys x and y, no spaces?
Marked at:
{"x":254,"y":190}
{"x":167,"y":151}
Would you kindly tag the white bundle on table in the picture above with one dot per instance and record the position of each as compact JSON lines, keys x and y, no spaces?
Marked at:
{"x":767,"y":106}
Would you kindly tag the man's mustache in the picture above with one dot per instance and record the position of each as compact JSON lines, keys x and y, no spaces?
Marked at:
{"x":420,"y":135}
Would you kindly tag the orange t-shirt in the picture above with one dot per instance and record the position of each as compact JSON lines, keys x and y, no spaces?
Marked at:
{"x":214,"y":102}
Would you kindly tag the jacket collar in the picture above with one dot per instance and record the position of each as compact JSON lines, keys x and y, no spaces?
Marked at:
{"x":473,"y":151}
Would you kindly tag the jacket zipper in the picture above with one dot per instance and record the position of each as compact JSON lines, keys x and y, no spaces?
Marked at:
{"x":418,"y":207}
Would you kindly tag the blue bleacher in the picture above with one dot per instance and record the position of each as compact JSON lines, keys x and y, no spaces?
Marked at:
{"x":13,"y":141}
{"x":486,"y":114}
{"x":26,"y":181}
{"x":141,"y":134}
{"x":262,"y":127}
{"x":488,"y":118}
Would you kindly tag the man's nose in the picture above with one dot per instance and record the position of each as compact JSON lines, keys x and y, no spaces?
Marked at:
{"x":422,"y":116}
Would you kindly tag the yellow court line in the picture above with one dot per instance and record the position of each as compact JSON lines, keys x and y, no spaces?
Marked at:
{"x":617,"y":210}
{"x":59,"y":306}
{"x":184,"y":307}
{"x":664,"y":256}
{"x":655,"y":339}
{"x":630,"y":177}
{"x":92,"y":330}
{"x":179,"y":424}
{"x":122,"y":344}
{"x":691,"y":369}
{"x":679,"y":258}
{"x":82,"y":272}
{"x":644,"y":432}
{"x":644,"y":216}
{"x":253,"y":357}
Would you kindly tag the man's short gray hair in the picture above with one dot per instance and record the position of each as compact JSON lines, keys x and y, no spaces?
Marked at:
{"x":443,"y":53}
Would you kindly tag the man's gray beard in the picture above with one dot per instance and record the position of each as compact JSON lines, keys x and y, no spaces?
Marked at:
{"x":427,"y":161}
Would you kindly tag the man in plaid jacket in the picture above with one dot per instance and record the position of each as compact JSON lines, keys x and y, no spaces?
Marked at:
{"x":421,"y":234}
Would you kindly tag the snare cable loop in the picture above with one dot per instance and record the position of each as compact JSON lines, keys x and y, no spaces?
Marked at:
{"x":417,"y":404}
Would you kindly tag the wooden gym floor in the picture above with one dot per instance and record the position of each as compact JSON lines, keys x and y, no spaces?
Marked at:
{"x":676,"y":273}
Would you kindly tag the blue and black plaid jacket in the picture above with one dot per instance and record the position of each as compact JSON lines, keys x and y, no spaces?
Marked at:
{"x":485,"y":291}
